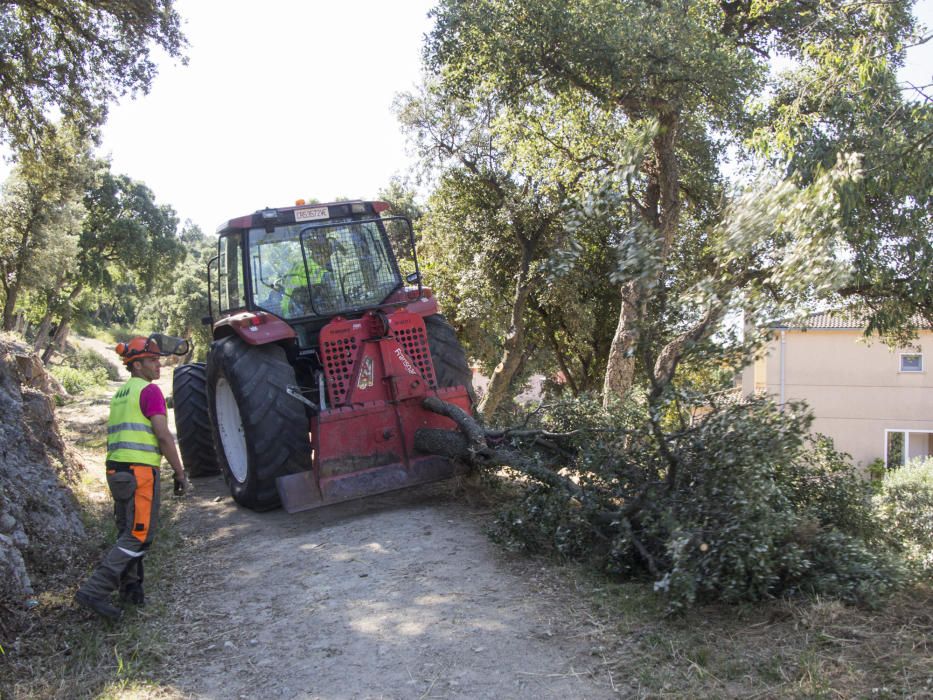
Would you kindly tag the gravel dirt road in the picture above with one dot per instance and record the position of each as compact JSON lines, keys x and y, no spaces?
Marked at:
{"x":397,"y":596}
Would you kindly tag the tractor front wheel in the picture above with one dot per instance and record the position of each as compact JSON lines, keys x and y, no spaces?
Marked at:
{"x":192,"y":419}
{"x":260,"y":431}
{"x":450,"y":363}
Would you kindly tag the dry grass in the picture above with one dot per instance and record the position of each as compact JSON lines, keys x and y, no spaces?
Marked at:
{"x":67,"y":652}
{"x":804,"y":648}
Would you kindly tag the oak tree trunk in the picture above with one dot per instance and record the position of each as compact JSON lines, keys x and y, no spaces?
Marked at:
{"x":661,"y":211}
{"x":43,"y":332}
{"x":58,"y":341}
{"x":513,"y":347}
{"x":620,"y":367}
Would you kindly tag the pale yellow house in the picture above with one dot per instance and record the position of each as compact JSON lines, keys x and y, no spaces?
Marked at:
{"x":872,"y":400}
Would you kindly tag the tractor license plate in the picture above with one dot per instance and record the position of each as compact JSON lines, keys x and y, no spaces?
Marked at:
{"x":311,"y":214}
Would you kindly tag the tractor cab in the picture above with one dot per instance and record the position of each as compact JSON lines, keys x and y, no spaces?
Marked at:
{"x":290,"y":271}
{"x":308,"y":264}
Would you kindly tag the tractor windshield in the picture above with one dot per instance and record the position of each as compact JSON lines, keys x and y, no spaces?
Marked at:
{"x":321,"y":269}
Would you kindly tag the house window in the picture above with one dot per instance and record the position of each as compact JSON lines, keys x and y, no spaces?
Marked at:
{"x":895,"y":449}
{"x":904,"y":446}
{"x":911,"y":362}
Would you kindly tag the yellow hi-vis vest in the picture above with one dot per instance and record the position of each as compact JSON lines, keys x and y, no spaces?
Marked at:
{"x":129,"y":433}
{"x":296,"y":279}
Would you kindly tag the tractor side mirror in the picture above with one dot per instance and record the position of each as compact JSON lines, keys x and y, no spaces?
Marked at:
{"x":413,"y":278}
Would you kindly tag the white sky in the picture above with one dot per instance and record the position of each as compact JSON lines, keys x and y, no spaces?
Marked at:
{"x":280,"y":100}
{"x":286,"y":99}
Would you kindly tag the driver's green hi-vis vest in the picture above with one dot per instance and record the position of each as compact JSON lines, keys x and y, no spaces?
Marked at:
{"x":129,"y":433}
{"x":296,"y":279}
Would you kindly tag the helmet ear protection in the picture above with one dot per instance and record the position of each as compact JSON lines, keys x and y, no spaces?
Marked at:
{"x":139,"y":347}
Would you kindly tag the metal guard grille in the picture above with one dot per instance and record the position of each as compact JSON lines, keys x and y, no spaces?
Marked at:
{"x":340,"y":349}
{"x":408,"y":329}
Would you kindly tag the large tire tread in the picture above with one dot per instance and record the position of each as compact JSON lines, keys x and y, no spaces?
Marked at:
{"x":193,"y":421}
{"x":274,"y":424}
{"x":450,"y":363}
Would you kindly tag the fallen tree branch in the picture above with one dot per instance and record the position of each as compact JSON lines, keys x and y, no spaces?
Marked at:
{"x":457,"y":446}
{"x":471,"y":444}
{"x":467,"y":424}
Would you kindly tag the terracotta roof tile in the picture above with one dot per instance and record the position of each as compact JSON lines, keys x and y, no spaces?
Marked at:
{"x":838,"y":320}
{"x":833,"y":320}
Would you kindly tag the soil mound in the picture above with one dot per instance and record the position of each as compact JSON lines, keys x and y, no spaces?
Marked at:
{"x":41,"y":533}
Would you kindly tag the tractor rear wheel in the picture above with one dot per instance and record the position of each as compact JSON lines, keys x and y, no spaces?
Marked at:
{"x":193,"y":421}
{"x":260,"y":431}
{"x":450,"y":363}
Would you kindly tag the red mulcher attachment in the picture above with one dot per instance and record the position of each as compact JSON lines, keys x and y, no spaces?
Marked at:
{"x":378,"y":370}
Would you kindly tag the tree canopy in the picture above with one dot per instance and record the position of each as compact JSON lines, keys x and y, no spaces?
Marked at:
{"x":69,"y":226}
{"x":40,"y":215}
{"x":70,"y":58}
{"x":678,"y":95}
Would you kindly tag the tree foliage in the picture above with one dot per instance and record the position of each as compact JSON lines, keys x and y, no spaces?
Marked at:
{"x":738,"y":505}
{"x":73,"y":234}
{"x":41,"y":214}
{"x":851,"y":102}
{"x":125,"y":236}
{"x":126,"y":229}
{"x":694,"y":78}
{"x":70,"y":58}
{"x":179,"y":299}
{"x":500,"y":226}
{"x":493,"y":236}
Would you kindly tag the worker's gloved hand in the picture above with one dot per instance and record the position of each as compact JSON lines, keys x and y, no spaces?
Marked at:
{"x":180,"y":486}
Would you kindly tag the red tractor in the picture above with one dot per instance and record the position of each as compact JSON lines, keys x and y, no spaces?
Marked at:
{"x":321,"y":359}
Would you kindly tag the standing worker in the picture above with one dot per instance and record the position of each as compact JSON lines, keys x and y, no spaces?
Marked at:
{"x":137,"y":438}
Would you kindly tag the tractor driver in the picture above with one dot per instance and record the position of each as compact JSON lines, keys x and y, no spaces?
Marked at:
{"x":296,"y":301}
{"x":138,"y":437}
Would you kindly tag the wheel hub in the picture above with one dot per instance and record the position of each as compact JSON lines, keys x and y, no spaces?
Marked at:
{"x":230,"y":427}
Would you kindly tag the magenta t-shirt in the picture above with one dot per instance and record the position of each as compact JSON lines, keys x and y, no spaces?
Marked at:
{"x":151,"y":401}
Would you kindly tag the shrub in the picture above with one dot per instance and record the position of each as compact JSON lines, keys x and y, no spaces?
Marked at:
{"x":824,"y":486}
{"x":742,"y":505}
{"x":876,"y":471}
{"x":77,"y":381}
{"x":905,"y":508}
{"x":90,"y":360}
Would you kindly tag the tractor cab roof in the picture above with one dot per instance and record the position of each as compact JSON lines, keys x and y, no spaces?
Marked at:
{"x":302,"y":212}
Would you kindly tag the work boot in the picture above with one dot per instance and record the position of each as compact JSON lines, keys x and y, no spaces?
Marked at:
{"x":98,"y":605}
{"x":133,"y":594}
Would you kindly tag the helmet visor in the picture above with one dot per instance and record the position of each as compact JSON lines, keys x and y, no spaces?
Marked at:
{"x":166,"y":345}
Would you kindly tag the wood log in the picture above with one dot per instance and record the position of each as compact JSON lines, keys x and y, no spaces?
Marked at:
{"x":485,"y":448}
{"x":470,"y":445}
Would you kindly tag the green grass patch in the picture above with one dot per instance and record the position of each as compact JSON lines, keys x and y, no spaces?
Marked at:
{"x":93,"y":361}
{"x":110,"y":334}
{"x":79,"y":381}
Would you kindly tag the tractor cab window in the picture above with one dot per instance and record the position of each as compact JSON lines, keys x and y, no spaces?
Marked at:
{"x":230,"y":283}
{"x":212,"y":288}
{"x":305,"y":270}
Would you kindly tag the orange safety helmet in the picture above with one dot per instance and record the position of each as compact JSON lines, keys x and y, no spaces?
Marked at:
{"x":137,"y":348}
